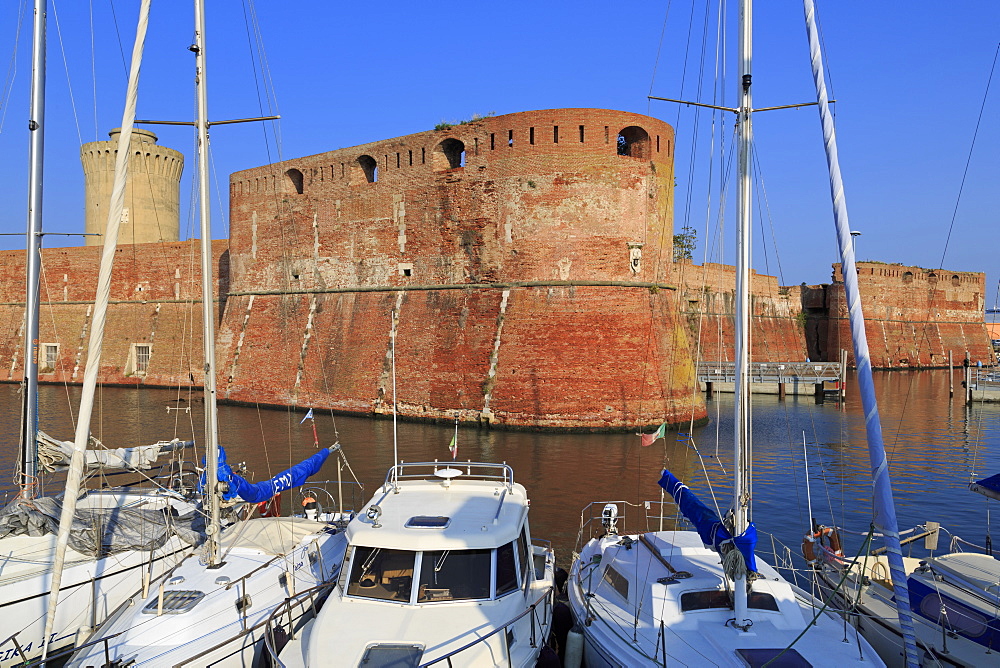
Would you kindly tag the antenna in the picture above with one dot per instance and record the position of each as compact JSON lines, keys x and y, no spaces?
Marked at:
{"x":395,"y":439}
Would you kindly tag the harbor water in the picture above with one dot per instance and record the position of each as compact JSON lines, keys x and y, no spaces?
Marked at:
{"x":934,"y":442}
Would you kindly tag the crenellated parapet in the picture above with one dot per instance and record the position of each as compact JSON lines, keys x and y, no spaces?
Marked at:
{"x":152,"y":191}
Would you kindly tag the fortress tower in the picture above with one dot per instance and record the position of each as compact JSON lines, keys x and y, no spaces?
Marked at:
{"x":152,"y":193}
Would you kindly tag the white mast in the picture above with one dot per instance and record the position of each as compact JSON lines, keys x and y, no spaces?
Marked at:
{"x":36,"y":124}
{"x":207,"y":290}
{"x":742,"y":444}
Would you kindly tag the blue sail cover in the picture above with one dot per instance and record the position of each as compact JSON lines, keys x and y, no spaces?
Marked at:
{"x":988,"y":487}
{"x":710,"y":528}
{"x":262,"y":491}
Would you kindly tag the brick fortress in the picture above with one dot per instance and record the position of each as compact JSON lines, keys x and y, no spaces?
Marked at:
{"x":522,"y":263}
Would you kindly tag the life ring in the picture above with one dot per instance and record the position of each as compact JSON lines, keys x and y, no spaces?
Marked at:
{"x":822,"y":533}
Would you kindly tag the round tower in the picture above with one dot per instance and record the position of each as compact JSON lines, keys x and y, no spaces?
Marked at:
{"x":152,"y":192}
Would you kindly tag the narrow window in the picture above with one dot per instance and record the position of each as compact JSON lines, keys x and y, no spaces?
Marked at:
{"x":51,"y":355}
{"x":555,"y":134}
{"x":510,"y":138}
{"x":581,"y":134}
{"x":657,"y":143}
{"x":475,"y":145}
{"x":411,"y":158}
{"x":668,"y":147}
{"x":493,"y":141}
{"x":343,"y":170}
{"x":531,"y":136}
{"x":606,"y":135}
{"x":387,"y":162}
{"x":141,"y":358}
{"x":423,"y":156}
{"x":397,"y":161}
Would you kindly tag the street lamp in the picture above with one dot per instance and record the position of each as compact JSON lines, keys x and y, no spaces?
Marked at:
{"x":854,"y":235}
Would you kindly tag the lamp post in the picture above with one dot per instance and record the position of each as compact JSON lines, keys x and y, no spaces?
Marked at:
{"x":854,"y":235}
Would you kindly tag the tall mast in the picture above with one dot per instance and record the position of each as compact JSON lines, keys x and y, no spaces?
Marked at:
{"x":742,"y":444}
{"x":885,"y":509}
{"x":36,"y":125}
{"x":207,"y":289}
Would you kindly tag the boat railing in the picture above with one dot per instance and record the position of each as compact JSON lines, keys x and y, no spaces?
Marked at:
{"x":538,"y":618}
{"x":309,"y":601}
{"x":470,"y":470}
{"x":630,"y":518}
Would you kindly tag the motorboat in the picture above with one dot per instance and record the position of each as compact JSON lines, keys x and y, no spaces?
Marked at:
{"x":441,"y":569}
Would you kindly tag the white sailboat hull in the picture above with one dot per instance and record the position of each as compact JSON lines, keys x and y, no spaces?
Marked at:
{"x":264,"y":562}
{"x":686,"y":618}
{"x":92,"y":588}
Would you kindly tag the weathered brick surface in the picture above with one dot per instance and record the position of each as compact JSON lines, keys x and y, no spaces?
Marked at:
{"x":708,"y":303}
{"x":913,"y":316}
{"x":155,"y":300}
{"x":509,"y":281}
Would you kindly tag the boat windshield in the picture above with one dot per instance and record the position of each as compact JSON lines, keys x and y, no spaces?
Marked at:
{"x":382,"y":574}
{"x":451,"y":575}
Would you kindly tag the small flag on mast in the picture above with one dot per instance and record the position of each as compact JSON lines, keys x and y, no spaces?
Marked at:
{"x":453,"y":446}
{"x":647,"y":439}
{"x":309,"y":416}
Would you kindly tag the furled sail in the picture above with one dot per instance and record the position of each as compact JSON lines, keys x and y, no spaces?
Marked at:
{"x":712,"y":530}
{"x":55,"y":455}
{"x":989,"y":487}
{"x":241,"y":488}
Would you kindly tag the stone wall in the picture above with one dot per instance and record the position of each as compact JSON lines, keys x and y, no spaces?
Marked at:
{"x":520,"y":259}
{"x":914,"y":317}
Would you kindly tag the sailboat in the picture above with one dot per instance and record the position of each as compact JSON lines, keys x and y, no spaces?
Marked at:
{"x":704,"y":597}
{"x":954,"y":594}
{"x":120,"y":538}
{"x":211,"y":609}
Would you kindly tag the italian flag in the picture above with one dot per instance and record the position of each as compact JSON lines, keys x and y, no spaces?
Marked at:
{"x":647,"y":439}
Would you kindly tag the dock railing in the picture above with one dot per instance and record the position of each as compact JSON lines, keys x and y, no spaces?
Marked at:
{"x":772,"y":372}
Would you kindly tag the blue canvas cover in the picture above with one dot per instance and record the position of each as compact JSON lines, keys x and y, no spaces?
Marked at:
{"x":988,"y":487}
{"x":710,"y":528}
{"x":262,"y":491}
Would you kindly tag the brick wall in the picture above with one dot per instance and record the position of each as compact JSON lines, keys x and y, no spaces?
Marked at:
{"x":913,"y":316}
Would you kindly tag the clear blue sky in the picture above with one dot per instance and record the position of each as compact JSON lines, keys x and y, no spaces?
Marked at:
{"x":909,"y":80}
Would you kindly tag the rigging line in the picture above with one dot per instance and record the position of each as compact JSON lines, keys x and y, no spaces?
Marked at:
{"x":693,"y":156}
{"x":93,"y":67}
{"x":69,"y":81}
{"x":8,"y":84}
{"x":121,"y":50}
{"x":656,"y":61}
{"x":764,"y":212}
{"x":968,"y":161}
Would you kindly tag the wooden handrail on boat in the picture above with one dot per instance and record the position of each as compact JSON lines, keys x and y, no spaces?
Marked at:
{"x":659,"y":557}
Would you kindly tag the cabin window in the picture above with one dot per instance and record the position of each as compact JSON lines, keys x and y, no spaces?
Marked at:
{"x":617,"y":581}
{"x":452,"y":575}
{"x":522,"y":554}
{"x":716,"y":598}
{"x":382,"y":574}
{"x":175,"y":602}
{"x":953,"y":615}
{"x":506,"y":569}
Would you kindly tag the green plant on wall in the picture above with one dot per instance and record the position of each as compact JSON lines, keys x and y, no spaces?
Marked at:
{"x":685,"y":242}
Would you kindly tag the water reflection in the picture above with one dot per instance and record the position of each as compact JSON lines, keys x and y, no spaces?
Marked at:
{"x":935,"y":444}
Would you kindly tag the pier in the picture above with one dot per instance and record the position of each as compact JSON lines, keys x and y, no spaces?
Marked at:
{"x":780,"y":378}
